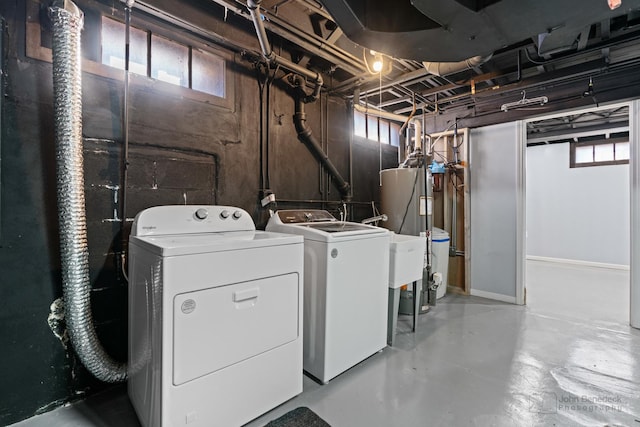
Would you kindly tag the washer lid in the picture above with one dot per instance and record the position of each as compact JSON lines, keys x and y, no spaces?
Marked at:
{"x":296,"y":216}
{"x":339,"y":227}
{"x":333,"y":231}
{"x":188,"y":244}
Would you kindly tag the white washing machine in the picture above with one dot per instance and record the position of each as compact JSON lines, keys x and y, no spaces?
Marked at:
{"x":215,"y":317}
{"x":346,"y":272}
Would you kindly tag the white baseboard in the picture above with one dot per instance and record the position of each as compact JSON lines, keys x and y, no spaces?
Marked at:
{"x":578,"y":262}
{"x":491,"y":295}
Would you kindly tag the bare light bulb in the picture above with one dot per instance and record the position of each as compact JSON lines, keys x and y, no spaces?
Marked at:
{"x":377,"y":65}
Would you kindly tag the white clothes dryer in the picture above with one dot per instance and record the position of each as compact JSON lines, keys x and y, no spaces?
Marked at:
{"x":346,"y":272}
{"x":215,"y":320}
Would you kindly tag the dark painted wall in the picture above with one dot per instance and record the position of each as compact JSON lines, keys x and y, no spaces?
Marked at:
{"x":181,"y":149}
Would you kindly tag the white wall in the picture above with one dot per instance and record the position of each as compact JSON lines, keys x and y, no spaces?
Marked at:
{"x":577,"y":214}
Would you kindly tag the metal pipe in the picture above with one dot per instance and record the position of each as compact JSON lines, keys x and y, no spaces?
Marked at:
{"x":306,"y":136}
{"x":67,"y":21}
{"x":184,"y":25}
{"x":377,"y":218}
{"x":254,"y":10}
{"x":310,"y":42}
{"x":125,"y":134}
{"x":454,"y":214}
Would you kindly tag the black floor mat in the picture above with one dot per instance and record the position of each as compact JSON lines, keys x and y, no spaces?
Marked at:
{"x":299,"y":417}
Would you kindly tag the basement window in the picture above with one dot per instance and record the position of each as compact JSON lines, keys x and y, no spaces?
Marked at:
{"x":169,"y":61}
{"x":161,"y":55}
{"x":207,"y":72}
{"x":600,"y":151}
{"x":113,"y":47}
{"x":376,"y":129}
{"x":163,"y":59}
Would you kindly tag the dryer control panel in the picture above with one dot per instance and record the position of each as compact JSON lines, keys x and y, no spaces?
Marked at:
{"x":188,"y":219}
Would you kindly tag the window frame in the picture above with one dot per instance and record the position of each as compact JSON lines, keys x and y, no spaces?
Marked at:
{"x":593,"y":143}
{"x":35,"y":49}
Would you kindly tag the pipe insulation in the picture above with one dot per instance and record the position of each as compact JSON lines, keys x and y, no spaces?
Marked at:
{"x":67,"y":21}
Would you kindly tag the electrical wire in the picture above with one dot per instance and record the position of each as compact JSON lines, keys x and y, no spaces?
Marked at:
{"x":526,"y":53}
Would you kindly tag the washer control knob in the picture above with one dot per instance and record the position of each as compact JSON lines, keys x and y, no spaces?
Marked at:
{"x":202,"y":213}
{"x":237,"y":214}
{"x":224,"y":214}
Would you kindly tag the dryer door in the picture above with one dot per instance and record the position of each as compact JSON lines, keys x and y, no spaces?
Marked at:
{"x":218,"y":327}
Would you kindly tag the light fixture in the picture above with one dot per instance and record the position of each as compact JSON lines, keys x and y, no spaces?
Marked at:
{"x":377,"y":63}
{"x":614,"y":4}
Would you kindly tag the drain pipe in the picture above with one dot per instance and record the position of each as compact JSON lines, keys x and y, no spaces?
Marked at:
{"x":306,"y":136}
{"x":67,"y":21}
{"x":301,"y":97}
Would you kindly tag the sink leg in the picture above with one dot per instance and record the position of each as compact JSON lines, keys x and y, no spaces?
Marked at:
{"x":416,"y":302}
{"x":392,"y":316}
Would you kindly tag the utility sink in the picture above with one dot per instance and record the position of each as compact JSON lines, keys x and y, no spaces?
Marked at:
{"x":406,"y":259}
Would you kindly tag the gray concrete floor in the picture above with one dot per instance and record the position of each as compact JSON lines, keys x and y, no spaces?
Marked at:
{"x":567,"y":359}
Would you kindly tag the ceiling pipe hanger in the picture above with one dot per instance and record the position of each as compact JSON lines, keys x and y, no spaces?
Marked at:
{"x":538,"y":100}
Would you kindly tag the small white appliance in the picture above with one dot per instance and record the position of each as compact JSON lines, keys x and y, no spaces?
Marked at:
{"x":440,"y":260}
{"x":346,"y":273}
{"x":215,"y":320}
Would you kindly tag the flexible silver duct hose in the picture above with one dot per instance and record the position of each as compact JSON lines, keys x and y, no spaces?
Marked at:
{"x":67,"y":88}
{"x":446,"y":68}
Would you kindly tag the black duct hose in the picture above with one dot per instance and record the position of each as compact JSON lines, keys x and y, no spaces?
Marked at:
{"x":306,"y":137}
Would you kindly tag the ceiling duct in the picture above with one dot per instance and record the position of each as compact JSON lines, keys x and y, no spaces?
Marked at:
{"x":447,"y":68}
{"x":454,"y":30}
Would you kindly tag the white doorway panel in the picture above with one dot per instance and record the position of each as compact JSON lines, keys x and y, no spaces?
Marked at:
{"x":497,"y":211}
{"x":634,"y":174}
